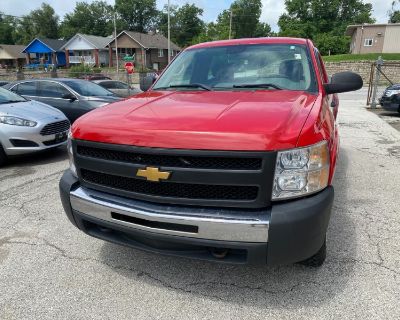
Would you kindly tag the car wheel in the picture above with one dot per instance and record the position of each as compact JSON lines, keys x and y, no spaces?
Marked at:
{"x":3,"y":156}
{"x":398,"y":110}
{"x":317,"y":259}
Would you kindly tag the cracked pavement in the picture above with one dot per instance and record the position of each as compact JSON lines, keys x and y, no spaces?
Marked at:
{"x":51,"y":270}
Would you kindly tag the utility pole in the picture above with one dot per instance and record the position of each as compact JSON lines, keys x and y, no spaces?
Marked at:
{"x":230,"y":25}
{"x":116,"y":43}
{"x":169,"y":33}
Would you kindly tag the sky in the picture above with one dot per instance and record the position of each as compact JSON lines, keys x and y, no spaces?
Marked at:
{"x":272,"y":9}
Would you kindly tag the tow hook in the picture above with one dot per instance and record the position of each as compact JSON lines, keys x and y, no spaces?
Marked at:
{"x":219,"y":253}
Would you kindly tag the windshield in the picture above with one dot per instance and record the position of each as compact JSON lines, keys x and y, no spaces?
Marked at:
{"x":87,"y":88}
{"x":8,"y":97}
{"x":241,"y":67}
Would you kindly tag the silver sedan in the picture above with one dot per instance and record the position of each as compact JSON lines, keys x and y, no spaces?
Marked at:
{"x":28,"y":126}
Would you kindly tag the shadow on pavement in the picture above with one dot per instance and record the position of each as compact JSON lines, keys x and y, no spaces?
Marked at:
{"x":263,"y":287}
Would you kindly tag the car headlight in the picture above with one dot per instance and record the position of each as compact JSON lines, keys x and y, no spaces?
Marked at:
{"x":70,"y":150}
{"x":301,"y":171}
{"x":15,"y":121}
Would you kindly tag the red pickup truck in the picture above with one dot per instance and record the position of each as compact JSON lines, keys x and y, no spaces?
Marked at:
{"x":228,"y":156}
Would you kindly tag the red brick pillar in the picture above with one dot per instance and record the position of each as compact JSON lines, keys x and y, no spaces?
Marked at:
{"x":28,"y":58}
{"x":54,"y":58}
{"x":96,"y":57}
{"x":67,"y":58}
{"x":110,"y":56}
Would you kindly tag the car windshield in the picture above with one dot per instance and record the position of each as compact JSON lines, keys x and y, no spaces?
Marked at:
{"x":241,"y":67}
{"x":87,"y":88}
{"x":8,"y":97}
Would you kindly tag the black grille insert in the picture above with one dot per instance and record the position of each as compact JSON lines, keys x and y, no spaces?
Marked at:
{"x":181,"y":161}
{"x":170,"y":189}
{"x":55,"y":127}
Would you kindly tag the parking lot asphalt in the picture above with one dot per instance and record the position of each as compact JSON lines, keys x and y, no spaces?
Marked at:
{"x":51,"y":270}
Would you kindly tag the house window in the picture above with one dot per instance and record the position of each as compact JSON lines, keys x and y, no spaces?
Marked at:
{"x":368,"y":42}
{"x":172,"y":52}
{"x":160,"y":53}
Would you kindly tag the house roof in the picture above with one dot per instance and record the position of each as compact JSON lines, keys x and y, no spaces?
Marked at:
{"x":96,"y":41}
{"x":156,"y":41}
{"x":11,"y":51}
{"x":352,"y":28}
{"x":53,"y":44}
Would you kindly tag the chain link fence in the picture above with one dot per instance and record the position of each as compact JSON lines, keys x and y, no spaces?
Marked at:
{"x":382,"y":75}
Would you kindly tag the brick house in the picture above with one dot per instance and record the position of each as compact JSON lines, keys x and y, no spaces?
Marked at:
{"x":374,"y":38}
{"x":150,"y":50}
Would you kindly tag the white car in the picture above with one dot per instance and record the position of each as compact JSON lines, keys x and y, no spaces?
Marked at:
{"x":28,"y":126}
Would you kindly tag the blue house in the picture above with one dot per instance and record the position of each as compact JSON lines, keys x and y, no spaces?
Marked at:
{"x":45,"y":52}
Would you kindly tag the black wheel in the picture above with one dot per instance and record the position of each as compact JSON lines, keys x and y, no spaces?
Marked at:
{"x":3,"y":156}
{"x":317,"y":259}
{"x":398,"y":109}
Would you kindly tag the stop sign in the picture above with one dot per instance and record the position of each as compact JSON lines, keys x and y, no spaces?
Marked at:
{"x":129,"y":67}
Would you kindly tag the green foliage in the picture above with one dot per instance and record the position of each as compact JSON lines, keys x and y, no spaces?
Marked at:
{"x":330,"y":43}
{"x":94,"y":18}
{"x":394,"y":13}
{"x":362,"y":57}
{"x":137,"y":15}
{"x":245,"y":18}
{"x":7,"y":27}
{"x":186,"y":23}
{"x":42,"y":22}
{"x":245,"y":23}
{"x":324,"y":21}
{"x":81,"y":70}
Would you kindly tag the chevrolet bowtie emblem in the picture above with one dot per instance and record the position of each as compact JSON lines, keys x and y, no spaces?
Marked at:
{"x":153,"y":174}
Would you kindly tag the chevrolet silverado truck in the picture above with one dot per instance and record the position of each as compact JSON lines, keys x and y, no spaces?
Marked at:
{"x":228,"y":156}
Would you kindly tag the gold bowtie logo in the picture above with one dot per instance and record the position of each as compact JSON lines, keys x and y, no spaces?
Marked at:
{"x":153,"y":174}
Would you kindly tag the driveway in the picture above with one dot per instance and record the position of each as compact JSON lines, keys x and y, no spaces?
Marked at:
{"x":50,"y":270}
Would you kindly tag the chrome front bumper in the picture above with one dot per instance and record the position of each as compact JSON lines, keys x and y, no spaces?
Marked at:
{"x":211,"y":224}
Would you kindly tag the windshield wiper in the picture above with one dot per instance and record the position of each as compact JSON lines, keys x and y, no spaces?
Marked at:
{"x":258,"y":85}
{"x":191,"y":85}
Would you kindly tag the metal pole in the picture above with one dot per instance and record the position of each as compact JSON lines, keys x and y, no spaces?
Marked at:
{"x":230,"y":26}
{"x":379,"y":63}
{"x":116,"y":43}
{"x":169,"y":33}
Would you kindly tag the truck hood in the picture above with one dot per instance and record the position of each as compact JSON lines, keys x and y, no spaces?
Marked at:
{"x":209,"y":120}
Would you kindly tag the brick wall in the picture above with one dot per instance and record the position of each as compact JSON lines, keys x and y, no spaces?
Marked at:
{"x":363,"y":68}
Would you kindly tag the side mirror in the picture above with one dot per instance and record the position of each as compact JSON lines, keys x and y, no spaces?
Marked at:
{"x":344,"y":82}
{"x":68,"y":96}
{"x":146,"y":82}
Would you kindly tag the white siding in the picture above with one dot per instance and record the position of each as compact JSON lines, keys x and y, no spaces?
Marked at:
{"x":392,"y":39}
{"x":79,"y":44}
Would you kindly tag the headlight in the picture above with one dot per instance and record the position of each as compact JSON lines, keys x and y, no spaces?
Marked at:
{"x":70,"y":150}
{"x":301,"y":171}
{"x":15,"y":121}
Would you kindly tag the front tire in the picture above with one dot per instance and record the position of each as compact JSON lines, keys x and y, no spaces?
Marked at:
{"x":317,"y":259}
{"x":3,"y":156}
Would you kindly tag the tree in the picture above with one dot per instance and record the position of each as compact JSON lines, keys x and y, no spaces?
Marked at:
{"x":137,"y":15}
{"x":186,"y":23}
{"x":245,"y":18}
{"x":245,"y":23}
{"x":94,"y":18}
{"x":42,"y":22}
{"x":394,"y":14}
{"x":7,"y":27}
{"x":324,"y":21}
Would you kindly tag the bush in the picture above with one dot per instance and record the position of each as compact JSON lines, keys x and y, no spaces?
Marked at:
{"x":81,"y":70}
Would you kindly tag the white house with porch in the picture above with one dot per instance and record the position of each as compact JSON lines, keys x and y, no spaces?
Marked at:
{"x":87,"y":49}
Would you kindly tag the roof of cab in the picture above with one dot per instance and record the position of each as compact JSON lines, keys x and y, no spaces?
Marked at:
{"x":272,"y":40}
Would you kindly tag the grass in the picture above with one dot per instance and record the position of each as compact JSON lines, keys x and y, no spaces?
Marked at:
{"x":361,"y":57}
